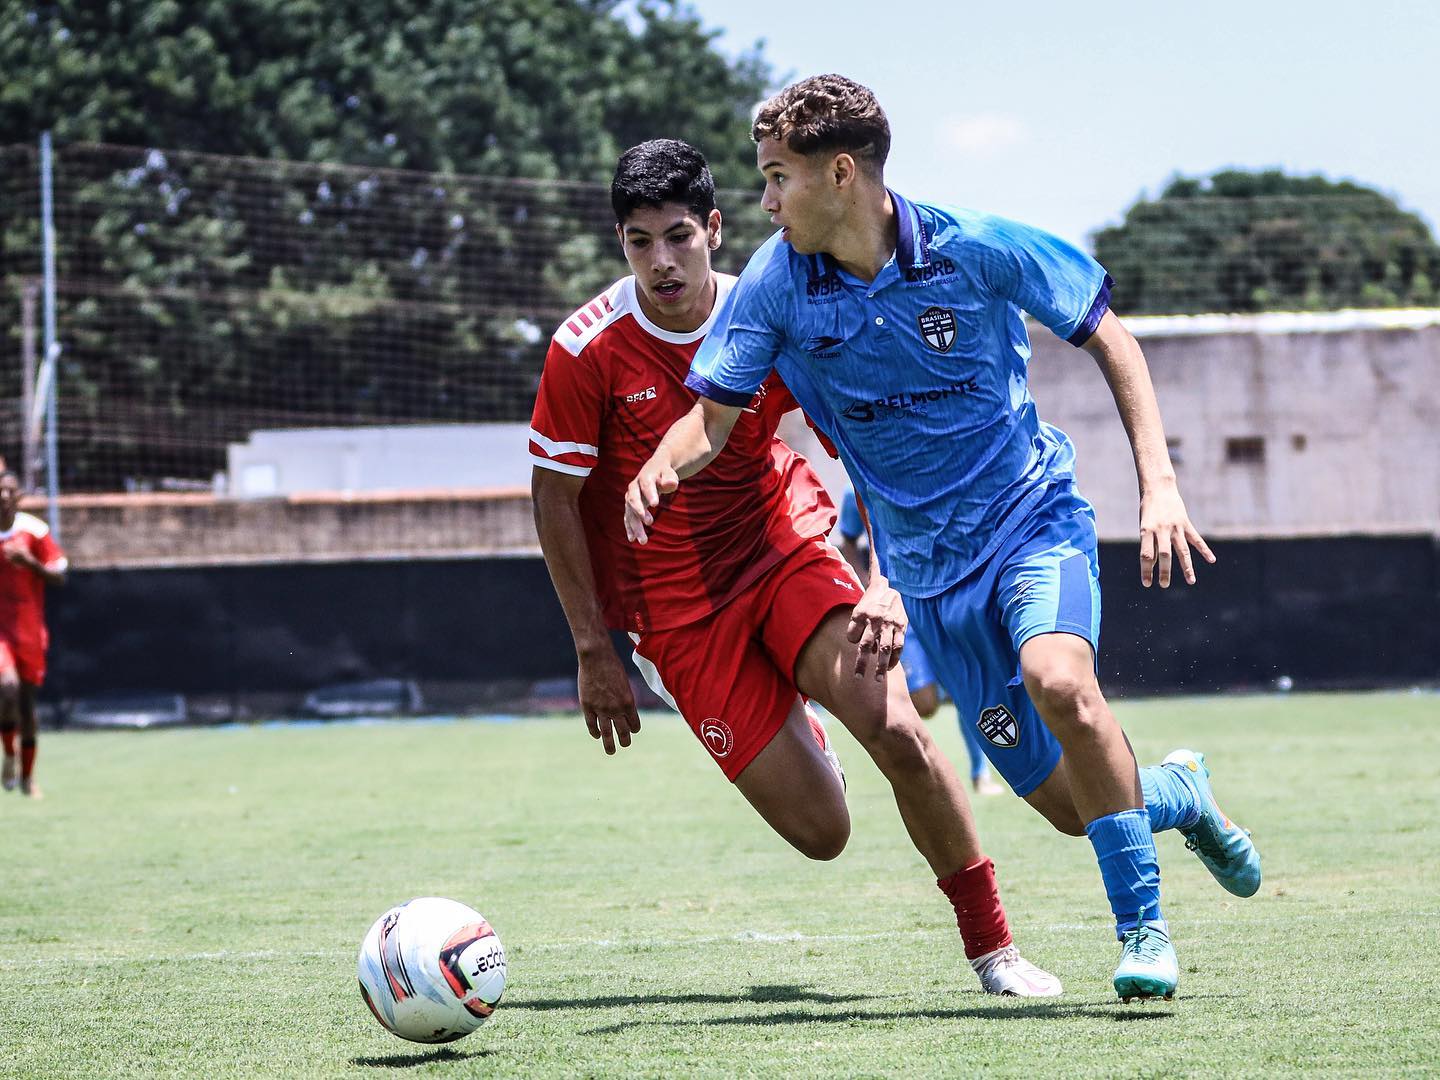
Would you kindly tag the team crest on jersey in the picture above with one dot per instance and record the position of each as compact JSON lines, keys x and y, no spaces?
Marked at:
{"x":717,"y":737}
{"x":998,"y":725}
{"x":937,"y":327}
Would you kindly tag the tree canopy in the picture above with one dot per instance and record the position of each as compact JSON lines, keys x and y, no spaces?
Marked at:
{"x":534,"y":88}
{"x":380,"y":279}
{"x":1266,"y":241}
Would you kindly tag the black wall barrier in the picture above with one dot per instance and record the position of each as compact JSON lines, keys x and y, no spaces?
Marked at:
{"x":1342,"y":611}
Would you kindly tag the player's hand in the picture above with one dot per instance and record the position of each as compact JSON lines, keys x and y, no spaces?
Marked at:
{"x":655,"y":479}
{"x":606,"y":699}
{"x":1166,"y":535}
{"x":15,"y":552}
{"x":877,"y":626}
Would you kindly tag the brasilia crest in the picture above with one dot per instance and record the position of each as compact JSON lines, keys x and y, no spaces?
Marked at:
{"x":937,"y":327}
{"x":998,"y":725}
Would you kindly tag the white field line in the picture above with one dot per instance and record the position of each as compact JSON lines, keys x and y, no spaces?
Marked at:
{"x":744,"y":937}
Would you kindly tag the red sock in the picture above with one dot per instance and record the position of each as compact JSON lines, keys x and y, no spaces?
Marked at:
{"x":7,"y":738}
{"x":27,"y":758}
{"x":978,"y":910}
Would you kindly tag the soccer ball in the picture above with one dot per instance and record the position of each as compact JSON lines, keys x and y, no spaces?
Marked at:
{"x":431,"y":970}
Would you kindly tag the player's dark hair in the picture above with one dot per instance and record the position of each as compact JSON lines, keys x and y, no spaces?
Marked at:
{"x":9,"y":474}
{"x":830,"y":114}
{"x":662,"y":171}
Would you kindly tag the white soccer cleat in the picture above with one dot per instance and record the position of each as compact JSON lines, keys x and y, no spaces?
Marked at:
{"x":1007,"y":973}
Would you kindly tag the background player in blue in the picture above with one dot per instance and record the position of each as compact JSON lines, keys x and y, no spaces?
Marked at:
{"x":898,"y":327}
{"x":920,"y":677}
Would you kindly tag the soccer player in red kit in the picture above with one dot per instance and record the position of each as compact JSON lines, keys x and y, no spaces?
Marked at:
{"x":32,"y":560}
{"x":738,"y":608}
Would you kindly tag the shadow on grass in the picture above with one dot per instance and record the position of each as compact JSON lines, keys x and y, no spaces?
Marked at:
{"x":1014,"y":1010}
{"x":410,"y":1061}
{"x":758,"y":994}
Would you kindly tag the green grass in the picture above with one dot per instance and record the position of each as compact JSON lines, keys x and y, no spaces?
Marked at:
{"x":190,"y":903}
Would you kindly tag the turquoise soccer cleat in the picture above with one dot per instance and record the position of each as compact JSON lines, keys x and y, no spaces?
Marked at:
{"x":1223,"y":846}
{"x":1148,"y":968}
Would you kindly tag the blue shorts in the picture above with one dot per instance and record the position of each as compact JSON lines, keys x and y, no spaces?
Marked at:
{"x":918,"y":673}
{"x":1044,"y":579}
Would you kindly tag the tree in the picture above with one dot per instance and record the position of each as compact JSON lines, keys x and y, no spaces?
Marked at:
{"x":202,"y":296}
{"x":1264,"y":241}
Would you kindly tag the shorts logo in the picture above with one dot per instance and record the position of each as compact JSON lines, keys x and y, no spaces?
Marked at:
{"x":998,"y":725}
{"x":937,"y":327}
{"x":648,"y":394}
{"x":717,"y":737}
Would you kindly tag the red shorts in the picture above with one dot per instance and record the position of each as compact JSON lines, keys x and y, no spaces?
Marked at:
{"x":27,"y":663}
{"x":732,"y":675}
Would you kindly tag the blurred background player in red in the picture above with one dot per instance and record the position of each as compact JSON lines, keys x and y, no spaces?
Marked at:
{"x":737,"y":606}
{"x":32,"y":560}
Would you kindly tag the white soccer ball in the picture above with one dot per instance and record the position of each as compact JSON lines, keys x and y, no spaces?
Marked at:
{"x":431,"y":970}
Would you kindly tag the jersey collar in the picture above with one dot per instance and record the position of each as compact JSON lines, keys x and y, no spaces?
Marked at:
{"x":912,"y":247}
{"x":912,"y":243}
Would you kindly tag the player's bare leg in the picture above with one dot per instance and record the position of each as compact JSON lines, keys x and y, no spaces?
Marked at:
{"x":1059,"y":672}
{"x":883,"y":720}
{"x":794,"y":787}
{"x":29,"y":734}
{"x":1104,"y":786}
{"x":931,"y":799}
{"x":9,"y":725}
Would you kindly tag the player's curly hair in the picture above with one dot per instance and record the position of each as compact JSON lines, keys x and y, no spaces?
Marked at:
{"x":661,"y":171}
{"x":827,"y":113}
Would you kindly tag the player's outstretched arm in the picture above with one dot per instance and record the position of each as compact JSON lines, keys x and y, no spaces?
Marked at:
{"x":605,"y":695}
{"x":692,"y":443}
{"x":1165,"y":526}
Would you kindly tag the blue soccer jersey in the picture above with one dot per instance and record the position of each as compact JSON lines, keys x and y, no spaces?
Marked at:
{"x":919,"y":377}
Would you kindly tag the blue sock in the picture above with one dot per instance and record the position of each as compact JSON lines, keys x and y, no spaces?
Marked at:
{"x":979,"y":765}
{"x":1125,"y":850}
{"x":1170,"y":799}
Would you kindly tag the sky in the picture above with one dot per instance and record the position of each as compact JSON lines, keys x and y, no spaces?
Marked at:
{"x":1063,"y":114}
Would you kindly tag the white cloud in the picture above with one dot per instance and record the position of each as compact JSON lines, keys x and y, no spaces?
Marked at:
{"x":984,"y":134}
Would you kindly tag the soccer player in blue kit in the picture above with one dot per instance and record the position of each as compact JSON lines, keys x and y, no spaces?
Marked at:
{"x":898,"y":328}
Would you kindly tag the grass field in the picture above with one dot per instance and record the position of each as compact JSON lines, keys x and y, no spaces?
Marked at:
{"x":190,"y":903}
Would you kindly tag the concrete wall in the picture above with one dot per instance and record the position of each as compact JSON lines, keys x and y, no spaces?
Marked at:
{"x":368,"y":459}
{"x":168,"y":530}
{"x":1348,"y":406}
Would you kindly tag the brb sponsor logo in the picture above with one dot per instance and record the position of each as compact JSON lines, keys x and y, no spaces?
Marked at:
{"x":933,"y":270}
{"x":824,"y":290}
{"x":717,"y":737}
{"x":648,"y":394}
{"x":917,"y":402}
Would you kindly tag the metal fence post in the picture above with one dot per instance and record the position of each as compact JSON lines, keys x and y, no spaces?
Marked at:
{"x":52,"y":346}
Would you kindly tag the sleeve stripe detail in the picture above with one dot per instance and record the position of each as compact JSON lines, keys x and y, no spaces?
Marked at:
{"x":1098,"y":307}
{"x":559,"y":466}
{"x":715,"y":392}
{"x":59,"y":566}
{"x":553,"y":447}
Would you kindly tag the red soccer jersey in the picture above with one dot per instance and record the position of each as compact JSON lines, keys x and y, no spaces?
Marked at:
{"x":22,"y":591}
{"x":613,"y":384}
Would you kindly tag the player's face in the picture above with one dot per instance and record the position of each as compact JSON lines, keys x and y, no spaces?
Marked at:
{"x":9,"y":496}
{"x":668,"y":248}
{"x":801,"y":195}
